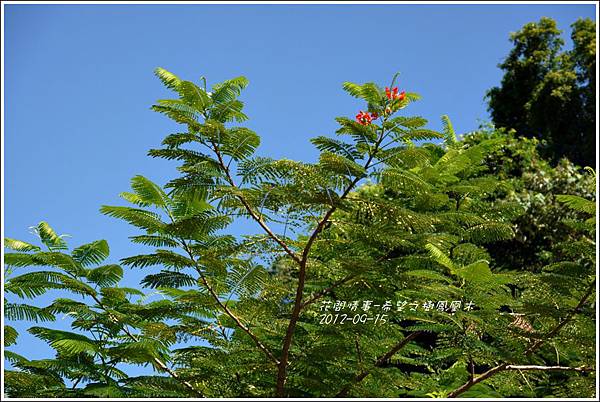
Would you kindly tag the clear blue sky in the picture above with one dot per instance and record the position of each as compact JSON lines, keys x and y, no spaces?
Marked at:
{"x":79,"y":83}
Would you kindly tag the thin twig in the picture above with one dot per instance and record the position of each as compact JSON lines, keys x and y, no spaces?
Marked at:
{"x":581,"y":369}
{"x":536,"y":345}
{"x":282,"y":372}
{"x":156,"y":360}
{"x":380,"y":362}
{"x":226,"y":309}
{"x":316,"y":296}
{"x":251,"y":211}
{"x":358,"y":352}
{"x":215,"y":296}
{"x":77,"y":382}
{"x":321,"y":293}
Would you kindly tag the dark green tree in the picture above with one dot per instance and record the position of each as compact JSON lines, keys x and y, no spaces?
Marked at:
{"x":534,"y":185}
{"x":548,"y":93}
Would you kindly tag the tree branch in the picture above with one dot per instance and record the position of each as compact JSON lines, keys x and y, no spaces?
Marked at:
{"x":582,"y":369}
{"x":316,"y":296}
{"x":287,"y":342}
{"x":76,"y":382}
{"x":156,"y":360}
{"x":536,"y":345}
{"x":226,"y":309}
{"x":380,"y":362}
{"x":249,"y":209}
{"x":223,"y":306}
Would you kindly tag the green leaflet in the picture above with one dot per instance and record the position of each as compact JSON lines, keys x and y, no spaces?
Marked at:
{"x":14,"y":311}
{"x":91,"y":253}
{"x":340,"y":165}
{"x":148,"y":192}
{"x":578,"y":203}
{"x":49,"y":237}
{"x":19,"y":245}
{"x":106,"y":275}
{"x":240,"y":143}
{"x":64,"y":341}
{"x":10,"y":335}
{"x":137,"y":217}
{"x":170,"y":80}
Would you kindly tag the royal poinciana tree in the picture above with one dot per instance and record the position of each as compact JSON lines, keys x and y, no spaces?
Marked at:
{"x":370,"y":275}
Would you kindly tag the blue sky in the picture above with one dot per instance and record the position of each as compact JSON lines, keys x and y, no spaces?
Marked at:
{"x":79,"y":85}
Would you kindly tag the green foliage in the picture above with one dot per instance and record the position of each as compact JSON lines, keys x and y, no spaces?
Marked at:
{"x":547,"y":93}
{"x":383,"y":216}
{"x":536,"y":188}
{"x":108,"y":327}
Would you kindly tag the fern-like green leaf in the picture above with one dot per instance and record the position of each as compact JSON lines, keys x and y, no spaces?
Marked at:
{"x":169,"y":79}
{"x":340,"y":165}
{"x":65,"y":342}
{"x":49,"y":237}
{"x":106,"y":275}
{"x":10,"y":335}
{"x":578,"y":203}
{"x":19,"y":245}
{"x":149,"y":192}
{"x":137,"y":217}
{"x":448,"y":130}
{"x":14,"y":311}
{"x":170,"y":279}
{"x":91,"y":253}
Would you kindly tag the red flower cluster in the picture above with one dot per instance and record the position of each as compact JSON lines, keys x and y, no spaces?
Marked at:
{"x":365,"y":118}
{"x":393,"y":94}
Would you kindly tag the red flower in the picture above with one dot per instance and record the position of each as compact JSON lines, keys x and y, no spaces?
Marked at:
{"x":374,"y":115}
{"x":393,"y":94}
{"x":363,"y":118}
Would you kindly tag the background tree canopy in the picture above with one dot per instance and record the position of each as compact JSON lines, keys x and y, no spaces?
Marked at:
{"x":405,"y":262}
{"x":549,"y":93}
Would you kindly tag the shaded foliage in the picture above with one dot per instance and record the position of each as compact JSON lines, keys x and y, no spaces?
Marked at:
{"x":535,"y":185}
{"x":548,"y":93}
